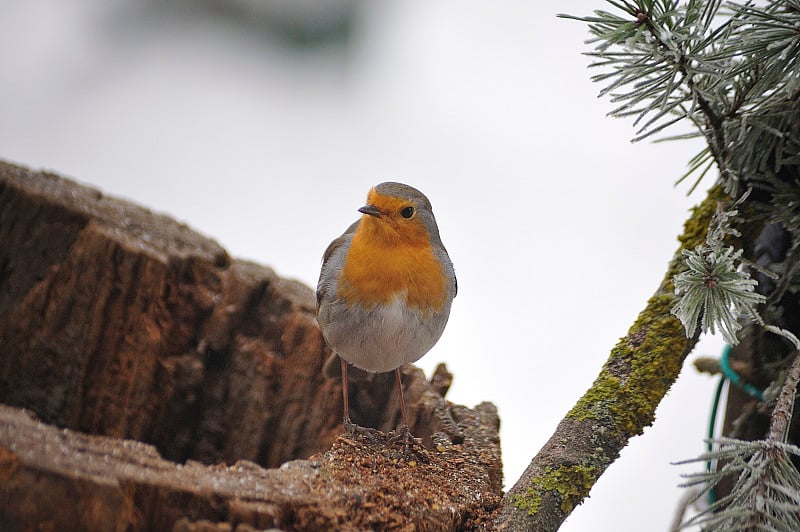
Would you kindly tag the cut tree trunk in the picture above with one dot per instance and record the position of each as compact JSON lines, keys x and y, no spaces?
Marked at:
{"x":162,"y":379}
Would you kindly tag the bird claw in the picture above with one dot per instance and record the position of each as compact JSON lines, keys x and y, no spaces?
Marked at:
{"x":357,"y":430}
{"x":403,"y":434}
{"x":408,"y":441}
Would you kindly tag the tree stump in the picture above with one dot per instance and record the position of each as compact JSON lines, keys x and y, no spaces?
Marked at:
{"x":153,"y":382}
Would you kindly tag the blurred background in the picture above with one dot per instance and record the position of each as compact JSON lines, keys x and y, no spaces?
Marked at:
{"x":264,"y":123}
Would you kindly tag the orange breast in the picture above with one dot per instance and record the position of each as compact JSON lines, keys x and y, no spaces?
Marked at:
{"x":383,"y":263}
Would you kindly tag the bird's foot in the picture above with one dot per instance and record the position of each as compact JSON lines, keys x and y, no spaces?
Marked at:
{"x":412,"y":447}
{"x":356,"y":430}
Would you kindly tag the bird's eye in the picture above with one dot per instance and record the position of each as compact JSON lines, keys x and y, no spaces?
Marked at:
{"x":407,"y":212}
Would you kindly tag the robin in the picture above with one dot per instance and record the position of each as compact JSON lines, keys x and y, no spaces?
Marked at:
{"x":386,"y":286}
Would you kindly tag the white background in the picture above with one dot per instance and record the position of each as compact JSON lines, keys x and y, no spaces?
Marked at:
{"x":559,"y":227}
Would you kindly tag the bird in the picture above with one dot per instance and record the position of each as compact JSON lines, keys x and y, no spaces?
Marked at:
{"x":385,"y":288}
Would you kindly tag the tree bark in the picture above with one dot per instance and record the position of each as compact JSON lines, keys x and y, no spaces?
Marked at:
{"x":142,"y":339}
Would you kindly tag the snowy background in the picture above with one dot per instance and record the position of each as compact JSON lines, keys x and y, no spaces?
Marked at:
{"x":263,"y":124}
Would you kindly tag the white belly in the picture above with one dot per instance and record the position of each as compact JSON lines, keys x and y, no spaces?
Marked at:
{"x":383,"y":338}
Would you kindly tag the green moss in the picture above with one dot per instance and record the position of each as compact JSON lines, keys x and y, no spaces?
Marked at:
{"x":529,"y":501}
{"x":638,"y":373}
{"x":695,"y":228}
{"x":572,"y":483}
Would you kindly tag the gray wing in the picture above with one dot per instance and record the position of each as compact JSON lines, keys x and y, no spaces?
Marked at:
{"x":332,"y":262}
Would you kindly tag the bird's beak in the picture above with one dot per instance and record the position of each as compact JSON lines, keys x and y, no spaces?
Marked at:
{"x":371,"y":210}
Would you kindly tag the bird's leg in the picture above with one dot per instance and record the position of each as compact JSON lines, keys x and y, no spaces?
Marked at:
{"x":348,"y":425}
{"x":405,"y":429}
{"x":412,"y":447}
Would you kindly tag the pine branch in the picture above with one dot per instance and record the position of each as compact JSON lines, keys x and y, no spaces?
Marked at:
{"x":786,"y":279}
{"x":664,"y":62}
{"x":782,"y":414}
{"x":766,"y":495}
{"x":620,"y":403}
{"x":714,"y":292}
{"x":660,"y":56}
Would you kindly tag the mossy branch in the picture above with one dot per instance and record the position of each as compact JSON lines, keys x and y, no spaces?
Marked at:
{"x":620,"y":403}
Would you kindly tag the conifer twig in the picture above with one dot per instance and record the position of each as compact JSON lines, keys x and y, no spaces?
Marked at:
{"x":782,"y":414}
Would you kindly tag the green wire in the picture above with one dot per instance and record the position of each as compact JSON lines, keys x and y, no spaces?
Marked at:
{"x":730,"y":375}
{"x":712,"y":423}
{"x":734,"y":377}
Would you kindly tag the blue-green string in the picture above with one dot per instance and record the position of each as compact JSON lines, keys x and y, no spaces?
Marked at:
{"x":727,"y":374}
